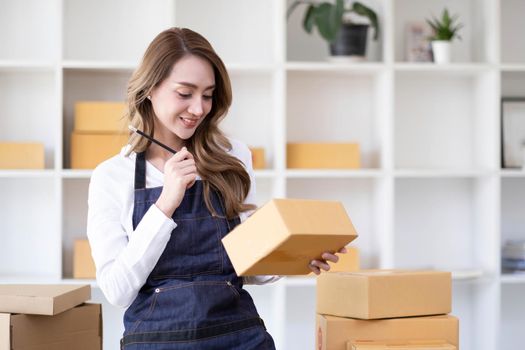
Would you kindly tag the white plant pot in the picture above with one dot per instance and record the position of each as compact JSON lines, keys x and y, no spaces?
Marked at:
{"x":441,"y":51}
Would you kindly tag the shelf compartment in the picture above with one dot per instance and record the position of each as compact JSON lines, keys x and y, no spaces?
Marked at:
{"x":452,"y":217}
{"x":82,"y":85}
{"x":30,"y":30}
{"x":302,"y":46}
{"x":251,"y":116}
{"x":74,"y":219}
{"x":28,"y":109}
{"x":233,"y":30}
{"x":30,"y":243}
{"x":362,"y":199}
{"x":455,"y":136}
{"x":513,"y":84}
{"x":512,"y":49}
{"x":512,"y":219}
{"x":300,"y":318}
{"x":476,"y":44}
{"x":476,"y":306}
{"x":335,"y":107}
{"x":512,"y":317}
{"x":112,"y":38}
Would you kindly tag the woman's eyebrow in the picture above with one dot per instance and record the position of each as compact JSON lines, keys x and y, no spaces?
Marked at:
{"x":193,"y":85}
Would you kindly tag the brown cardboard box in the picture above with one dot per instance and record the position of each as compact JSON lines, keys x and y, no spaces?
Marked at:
{"x":83,"y":264}
{"x":283,"y":236}
{"x":100,"y":117}
{"x":372,"y":294}
{"x":17,"y":155}
{"x":333,"y":333}
{"x":258,"y":158}
{"x":77,"y":328}
{"x":41,"y":299}
{"x":90,"y":149}
{"x":323,"y":156}
{"x":399,"y":345}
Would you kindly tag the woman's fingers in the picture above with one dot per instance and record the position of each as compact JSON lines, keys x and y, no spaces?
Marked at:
{"x":320,"y":264}
{"x":343,"y":250}
{"x":330,"y":257}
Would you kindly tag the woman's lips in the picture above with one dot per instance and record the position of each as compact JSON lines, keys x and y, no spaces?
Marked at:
{"x":189,"y":123}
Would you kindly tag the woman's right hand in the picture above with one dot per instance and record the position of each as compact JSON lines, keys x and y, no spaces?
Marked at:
{"x":180,"y":173}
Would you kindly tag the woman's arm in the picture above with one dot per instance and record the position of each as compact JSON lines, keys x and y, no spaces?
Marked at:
{"x":122,"y":265}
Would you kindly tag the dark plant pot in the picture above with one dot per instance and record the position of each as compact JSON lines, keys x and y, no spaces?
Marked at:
{"x":350,"y":40}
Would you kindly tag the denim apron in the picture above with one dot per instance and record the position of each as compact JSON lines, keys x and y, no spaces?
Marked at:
{"x":193,"y":299}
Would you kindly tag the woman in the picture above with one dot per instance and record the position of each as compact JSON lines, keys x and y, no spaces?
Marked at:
{"x":156,"y":219}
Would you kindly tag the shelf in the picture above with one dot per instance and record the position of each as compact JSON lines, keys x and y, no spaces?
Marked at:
{"x":99,"y":65}
{"x":512,"y":278}
{"x":518,"y":173}
{"x":439,"y":173}
{"x":321,"y":174}
{"x":76,"y":174}
{"x":459,"y":69}
{"x":338,"y":67}
{"x":508,"y":67}
{"x":27,"y":66}
{"x":27,"y":173}
{"x":300,"y":281}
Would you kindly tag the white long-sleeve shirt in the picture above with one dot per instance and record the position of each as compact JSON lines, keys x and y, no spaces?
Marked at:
{"x":125,"y":257}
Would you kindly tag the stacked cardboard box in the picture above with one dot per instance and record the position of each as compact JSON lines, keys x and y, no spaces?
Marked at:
{"x":258,"y":157}
{"x":44,"y":317}
{"x":385,"y":306}
{"x":99,"y":133}
{"x":323,"y":156}
{"x":17,"y":155}
{"x":83,"y":264}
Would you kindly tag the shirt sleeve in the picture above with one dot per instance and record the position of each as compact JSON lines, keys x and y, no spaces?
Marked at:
{"x":122,"y":264}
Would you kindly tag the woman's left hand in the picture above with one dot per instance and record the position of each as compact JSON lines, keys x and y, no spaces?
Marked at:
{"x":317,"y":265}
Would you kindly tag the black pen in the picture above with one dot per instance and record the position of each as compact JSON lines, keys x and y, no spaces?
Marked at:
{"x":134,"y":129}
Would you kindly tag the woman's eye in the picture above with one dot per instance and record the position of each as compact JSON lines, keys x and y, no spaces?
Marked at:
{"x":206,"y":97}
{"x":184,"y":95}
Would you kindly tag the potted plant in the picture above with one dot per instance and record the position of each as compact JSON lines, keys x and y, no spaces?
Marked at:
{"x":445,"y":30}
{"x":341,"y":26}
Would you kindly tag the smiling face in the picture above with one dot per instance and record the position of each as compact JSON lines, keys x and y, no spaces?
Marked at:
{"x":183,"y":100}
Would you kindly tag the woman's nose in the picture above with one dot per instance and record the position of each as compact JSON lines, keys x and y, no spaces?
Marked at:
{"x":196,"y":107}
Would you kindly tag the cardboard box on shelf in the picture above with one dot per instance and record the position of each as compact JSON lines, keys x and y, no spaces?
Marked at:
{"x":18,"y":155}
{"x":373,"y":294}
{"x":323,"y":156}
{"x":83,"y":264}
{"x":90,"y":149}
{"x":400,"y":345}
{"x":284,"y":235}
{"x":333,"y":332}
{"x":258,"y":158}
{"x":100,"y":116}
{"x":42,"y":299}
{"x":77,"y":328}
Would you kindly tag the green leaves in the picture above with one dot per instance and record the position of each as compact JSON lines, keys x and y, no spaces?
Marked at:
{"x":364,"y":11}
{"x":328,"y":17}
{"x":446,"y":28}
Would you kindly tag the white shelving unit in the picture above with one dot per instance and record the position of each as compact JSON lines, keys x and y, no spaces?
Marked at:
{"x":431,"y":192}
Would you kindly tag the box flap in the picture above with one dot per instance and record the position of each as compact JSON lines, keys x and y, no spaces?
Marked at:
{"x":42,"y":299}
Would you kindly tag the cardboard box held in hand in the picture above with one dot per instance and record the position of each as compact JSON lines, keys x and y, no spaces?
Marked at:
{"x":283,"y":236}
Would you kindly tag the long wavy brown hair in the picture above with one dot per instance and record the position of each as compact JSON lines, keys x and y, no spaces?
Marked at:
{"x":219,"y":170}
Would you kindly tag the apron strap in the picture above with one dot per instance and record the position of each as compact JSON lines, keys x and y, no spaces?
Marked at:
{"x":140,"y":171}
{"x":190,"y":334}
